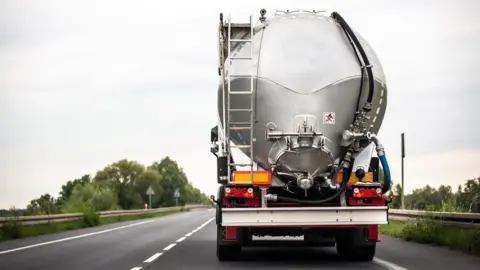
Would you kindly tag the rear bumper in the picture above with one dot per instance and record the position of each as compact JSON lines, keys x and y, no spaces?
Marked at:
{"x":304,"y":216}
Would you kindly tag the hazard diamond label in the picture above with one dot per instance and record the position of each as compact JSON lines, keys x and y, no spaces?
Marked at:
{"x":329,"y":118}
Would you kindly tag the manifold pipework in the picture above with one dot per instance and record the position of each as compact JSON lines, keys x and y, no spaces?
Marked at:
{"x":349,"y":138}
{"x":303,"y":136}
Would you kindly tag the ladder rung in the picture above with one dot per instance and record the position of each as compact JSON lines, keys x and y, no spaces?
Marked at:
{"x":240,"y":110}
{"x":240,"y":40}
{"x":239,"y":75}
{"x":240,"y":128}
{"x":240,"y":92}
{"x":239,"y":123}
{"x":240,"y":146}
{"x":240,"y":164}
{"x":241,"y":58}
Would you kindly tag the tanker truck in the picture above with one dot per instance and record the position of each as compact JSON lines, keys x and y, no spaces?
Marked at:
{"x":301,"y":100}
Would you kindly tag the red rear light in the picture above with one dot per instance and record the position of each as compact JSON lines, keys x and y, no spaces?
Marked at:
{"x":367,"y":192}
{"x":234,"y":192}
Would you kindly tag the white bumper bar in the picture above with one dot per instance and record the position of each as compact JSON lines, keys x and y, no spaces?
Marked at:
{"x":304,"y":216}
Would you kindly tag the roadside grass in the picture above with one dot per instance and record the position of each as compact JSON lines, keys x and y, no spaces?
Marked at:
{"x":14,"y":230}
{"x":430,"y":232}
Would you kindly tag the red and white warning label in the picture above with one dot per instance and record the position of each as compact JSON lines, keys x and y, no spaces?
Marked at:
{"x":329,"y":118}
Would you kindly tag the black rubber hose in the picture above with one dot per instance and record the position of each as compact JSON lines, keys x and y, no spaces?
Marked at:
{"x":362,"y":73}
{"x":346,"y":176}
{"x":350,"y":33}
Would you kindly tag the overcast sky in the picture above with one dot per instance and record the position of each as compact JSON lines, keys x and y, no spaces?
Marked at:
{"x":86,"y":83}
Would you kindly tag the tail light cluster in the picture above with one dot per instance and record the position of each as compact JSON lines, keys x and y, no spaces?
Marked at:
{"x":367,"y":192}
{"x":239,"y":192}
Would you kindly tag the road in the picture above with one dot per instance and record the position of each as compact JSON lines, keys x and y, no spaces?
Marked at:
{"x":187,"y":241}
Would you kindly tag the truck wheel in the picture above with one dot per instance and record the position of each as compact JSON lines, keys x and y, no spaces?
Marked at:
{"x":247,"y":237}
{"x":226,"y":252}
{"x":353,"y":252}
{"x":352,"y":245}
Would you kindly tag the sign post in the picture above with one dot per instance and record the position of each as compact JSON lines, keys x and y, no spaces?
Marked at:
{"x":150,"y":192}
{"x":176,"y":195}
{"x":403,"y":183}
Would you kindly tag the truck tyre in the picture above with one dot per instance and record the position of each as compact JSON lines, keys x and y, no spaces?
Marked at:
{"x":353,"y":252}
{"x":353,"y":245}
{"x":247,"y":237}
{"x":226,"y":252}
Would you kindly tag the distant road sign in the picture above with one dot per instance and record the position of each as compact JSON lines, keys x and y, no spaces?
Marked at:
{"x":150,"y":191}
{"x":176,"y":194}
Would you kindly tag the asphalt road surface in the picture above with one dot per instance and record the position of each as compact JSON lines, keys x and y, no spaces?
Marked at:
{"x":187,"y":241}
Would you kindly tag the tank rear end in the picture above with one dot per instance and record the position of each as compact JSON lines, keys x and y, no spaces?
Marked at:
{"x":307,"y":79}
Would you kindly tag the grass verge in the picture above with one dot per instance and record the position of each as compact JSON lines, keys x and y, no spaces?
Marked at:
{"x":14,"y":230}
{"x":430,"y":232}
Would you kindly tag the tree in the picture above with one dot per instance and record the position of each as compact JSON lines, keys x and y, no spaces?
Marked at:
{"x":150,"y":178}
{"x":45,"y":205}
{"x":90,"y":197}
{"x":69,"y":186}
{"x":172,"y":178}
{"x":397,"y":198}
{"x":121,"y":177}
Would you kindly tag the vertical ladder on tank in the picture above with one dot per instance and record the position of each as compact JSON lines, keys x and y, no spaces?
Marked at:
{"x":239,"y":126}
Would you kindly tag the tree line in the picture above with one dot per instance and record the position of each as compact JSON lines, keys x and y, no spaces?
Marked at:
{"x":443,"y":198}
{"x":121,"y":185}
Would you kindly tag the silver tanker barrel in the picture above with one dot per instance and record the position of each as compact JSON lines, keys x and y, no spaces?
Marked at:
{"x":319,"y":95}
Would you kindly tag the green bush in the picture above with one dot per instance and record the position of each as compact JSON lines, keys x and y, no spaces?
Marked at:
{"x":90,"y":217}
{"x":10,"y":230}
{"x":430,"y":232}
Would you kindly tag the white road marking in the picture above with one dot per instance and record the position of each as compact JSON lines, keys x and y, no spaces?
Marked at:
{"x":86,"y":235}
{"x":181,"y":239}
{"x":169,"y":246}
{"x":153,"y":258}
{"x":75,"y":237}
{"x":388,"y":265}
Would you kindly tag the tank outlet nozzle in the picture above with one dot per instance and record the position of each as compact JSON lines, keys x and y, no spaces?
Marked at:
{"x":271,"y":197}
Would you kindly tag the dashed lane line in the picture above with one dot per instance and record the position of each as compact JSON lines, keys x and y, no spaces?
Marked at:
{"x":167,"y":248}
{"x":383,"y":263}
{"x":387,"y":264}
{"x":153,"y":257}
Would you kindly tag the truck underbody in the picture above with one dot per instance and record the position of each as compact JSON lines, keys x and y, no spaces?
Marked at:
{"x":352,"y":228}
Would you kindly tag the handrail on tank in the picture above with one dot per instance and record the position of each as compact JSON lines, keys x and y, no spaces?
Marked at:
{"x":282,"y":12}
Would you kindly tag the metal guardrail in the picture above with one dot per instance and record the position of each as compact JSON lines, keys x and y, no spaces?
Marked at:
{"x":30,"y":220}
{"x":465,"y":220}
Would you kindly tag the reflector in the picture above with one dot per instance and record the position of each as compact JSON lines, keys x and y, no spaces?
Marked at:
{"x":259,"y":177}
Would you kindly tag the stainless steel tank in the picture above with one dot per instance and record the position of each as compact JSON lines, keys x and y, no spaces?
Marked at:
{"x":307,"y":76}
